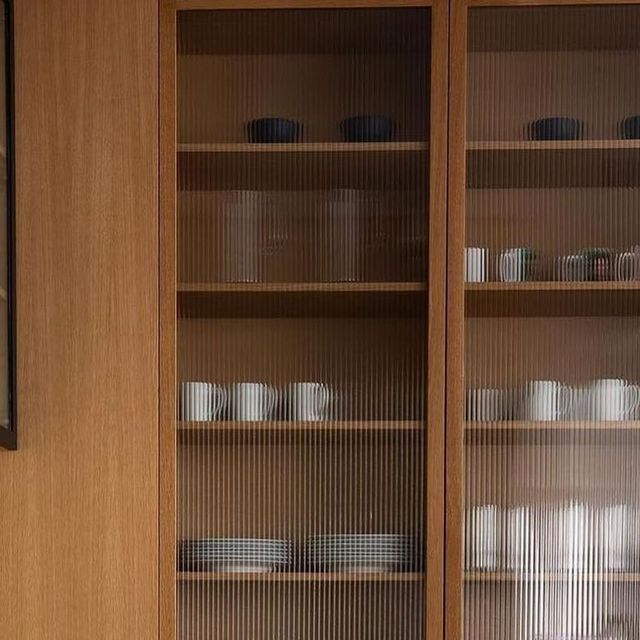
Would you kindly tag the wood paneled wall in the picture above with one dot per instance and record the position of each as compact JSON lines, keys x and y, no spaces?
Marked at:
{"x":78,"y":500}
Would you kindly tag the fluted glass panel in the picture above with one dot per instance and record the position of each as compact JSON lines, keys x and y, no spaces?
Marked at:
{"x":552,"y":334}
{"x":302,"y":250}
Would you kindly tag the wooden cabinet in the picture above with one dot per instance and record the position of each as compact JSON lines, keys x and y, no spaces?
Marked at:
{"x":419,"y":322}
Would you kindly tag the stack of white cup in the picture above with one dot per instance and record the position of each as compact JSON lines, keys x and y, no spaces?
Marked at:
{"x":254,"y":401}
{"x":602,"y":399}
{"x":573,"y":536}
{"x":476,"y":260}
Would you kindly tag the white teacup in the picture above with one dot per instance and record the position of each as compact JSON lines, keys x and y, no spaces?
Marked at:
{"x":546,"y":400}
{"x":627,"y":266}
{"x":251,"y":401}
{"x":475,"y":264}
{"x":306,"y":401}
{"x":571,"y":268}
{"x":567,"y":544}
{"x":515,"y":265}
{"x":201,"y":401}
{"x":615,"y":529}
{"x":519,"y":538}
{"x":483,"y":537}
{"x":611,"y":399}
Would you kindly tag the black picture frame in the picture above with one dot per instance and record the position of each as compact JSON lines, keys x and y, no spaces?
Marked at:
{"x":9,"y":436}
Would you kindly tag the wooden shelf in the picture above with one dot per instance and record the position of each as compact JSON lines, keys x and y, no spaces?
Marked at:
{"x":506,"y":576}
{"x":302,"y":147}
{"x":301,"y":287}
{"x":233,"y":432}
{"x":554,"y":163}
{"x":553,"y":286}
{"x":551,"y":145}
{"x":491,"y":299}
{"x":553,"y":425}
{"x":509,"y":432}
{"x":301,"y":299}
{"x":199,"y":576}
{"x":302,"y":165}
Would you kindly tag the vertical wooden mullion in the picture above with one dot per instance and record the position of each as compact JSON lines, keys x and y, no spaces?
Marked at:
{"x":167,"y":304}
{"x":454,"y":584}
{"x":436,"y":319}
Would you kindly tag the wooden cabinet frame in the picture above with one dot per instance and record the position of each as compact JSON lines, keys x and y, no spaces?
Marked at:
{"x":434,"y":393}
{"x":445,"y":392}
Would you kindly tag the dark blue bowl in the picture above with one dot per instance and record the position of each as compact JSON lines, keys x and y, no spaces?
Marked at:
{"x":555,"y":129}
{"x":367,"y":129}
{"x":630,"y":128}
{"x":273,"y":130}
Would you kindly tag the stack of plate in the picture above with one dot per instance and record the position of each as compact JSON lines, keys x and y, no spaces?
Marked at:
{"x":361,"y":552}
{"x":235,"y":554}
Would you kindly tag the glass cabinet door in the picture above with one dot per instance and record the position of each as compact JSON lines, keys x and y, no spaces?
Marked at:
{"x":307,"y":193}
{"x":546,"y":136}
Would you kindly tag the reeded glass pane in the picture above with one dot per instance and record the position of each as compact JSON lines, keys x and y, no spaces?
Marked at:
{"x":552,"y":367}
{"x":302,"y":237}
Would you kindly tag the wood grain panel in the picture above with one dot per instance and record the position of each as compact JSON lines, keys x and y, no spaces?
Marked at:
{"x":79,"y":498}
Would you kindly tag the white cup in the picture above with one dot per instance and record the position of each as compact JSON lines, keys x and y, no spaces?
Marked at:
{"x":579,"y":406}
{"x":572,"y":537}
{"x":519,"y":538}
{"x":546,"y":400}
{"x":611,"y":399}
{"x":475,"y":264}
{"x":251,"y":401}
{"x":201,"y":401}
{"x":614,"y":524}
{"x":627,"y":266}
{"x":483,"y":537}
{"x":572,"y":268}
{"x":307,"y":401}
{"x":515,"y":265}
{"x":485,"y":404}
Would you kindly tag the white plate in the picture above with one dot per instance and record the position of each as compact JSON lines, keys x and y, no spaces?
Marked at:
{"x":234,"y":567}
{"x":363,"y":567}
{"x":235,"y":556}
{"x":362,"y":536}
{"x":360,"y":556}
